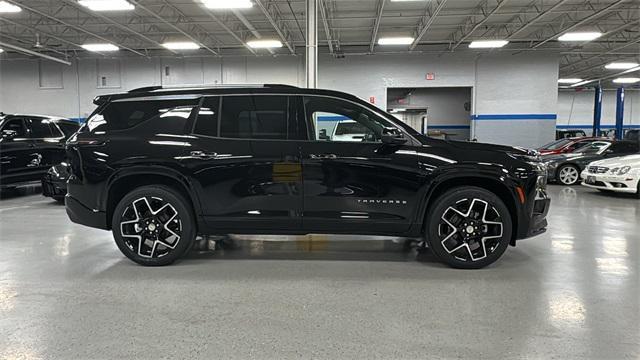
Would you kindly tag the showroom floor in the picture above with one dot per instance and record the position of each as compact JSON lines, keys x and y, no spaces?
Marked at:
{"x":67,"y":292}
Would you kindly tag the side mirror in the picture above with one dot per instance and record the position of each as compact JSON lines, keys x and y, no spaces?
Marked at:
{"x":323,"y":135}
{"x":393,"y":137}
{"x":9,"y":134}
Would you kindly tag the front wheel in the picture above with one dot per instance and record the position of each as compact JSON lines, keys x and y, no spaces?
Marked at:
{"x":154,"y":225}
{"x":468,"y":228}
{"x":568,"y":175}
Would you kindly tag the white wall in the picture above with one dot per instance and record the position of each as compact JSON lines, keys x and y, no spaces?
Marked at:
{"x":575,"y":108}
{"x":503,"y":84}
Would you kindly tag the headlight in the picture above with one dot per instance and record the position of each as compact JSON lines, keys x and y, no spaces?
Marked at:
{"x":624,"y":170}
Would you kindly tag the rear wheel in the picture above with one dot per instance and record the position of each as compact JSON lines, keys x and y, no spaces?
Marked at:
{"x":154,"y":225}
{"x":468,"y":228}
{"x":568,"y":175}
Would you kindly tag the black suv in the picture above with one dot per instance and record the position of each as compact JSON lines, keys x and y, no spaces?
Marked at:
{"x":160,"y":166}
{"x":30,"y":145}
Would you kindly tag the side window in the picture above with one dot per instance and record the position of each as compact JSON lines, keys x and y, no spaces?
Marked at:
{"x":67,"y":129}
{"x":57,"y":132}
{"x":254,"y":117}
{"x":165,"y":116}
{"x":207,"y":122}
{"x":40,"y":129}
{"x":338,"y":120}
{"x":16,"y":125}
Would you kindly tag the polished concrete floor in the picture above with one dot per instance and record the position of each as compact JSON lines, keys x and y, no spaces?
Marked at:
{"x":66,"y":292}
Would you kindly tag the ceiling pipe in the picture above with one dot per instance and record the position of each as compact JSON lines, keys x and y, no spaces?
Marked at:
{"x":34,"y":53}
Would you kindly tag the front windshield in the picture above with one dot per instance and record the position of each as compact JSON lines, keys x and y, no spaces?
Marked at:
{"x":558,"y":144}
{"x":593,"y":148}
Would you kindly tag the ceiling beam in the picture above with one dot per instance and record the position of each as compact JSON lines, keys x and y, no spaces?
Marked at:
{"x":229,"y":30}
{"x":275,"y":19}
{"x":480,"y":10}
{"x":250,"y":27}
{"x":536,"y":19}
{"x":38,"y":31}
{"x":376,"y":25}
{"x":325,"y":23}
{"x":176,"y":28}
{"x":34,"y":53}
{"x":595,"y":15}
{"x":75,"y":27}
{"x":426,"y":21}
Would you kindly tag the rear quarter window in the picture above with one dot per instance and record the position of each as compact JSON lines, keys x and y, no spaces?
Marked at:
{"x":166,"y":116}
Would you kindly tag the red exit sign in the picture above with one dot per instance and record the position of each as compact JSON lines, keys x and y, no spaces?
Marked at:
{"x":431,"y":76}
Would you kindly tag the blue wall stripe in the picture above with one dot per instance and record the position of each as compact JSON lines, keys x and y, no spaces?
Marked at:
{"x":589,"y":127}
{"x":332,"y":118}
{"x":78,"y":120}
{"x":514,"y":117}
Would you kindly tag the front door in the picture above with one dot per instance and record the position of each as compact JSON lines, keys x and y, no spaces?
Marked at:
{"x":353,"y":183}
{"x":48,"y":141}
{"x":16,"y":149}
{"x":246,"y":159}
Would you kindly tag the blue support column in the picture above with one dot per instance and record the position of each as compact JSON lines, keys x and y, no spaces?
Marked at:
{"x":620,"y":113}
{"x":597,"y":111}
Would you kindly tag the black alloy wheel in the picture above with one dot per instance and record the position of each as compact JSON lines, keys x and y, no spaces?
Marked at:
{"x":468,"y":228}
{"x":154,"y":225}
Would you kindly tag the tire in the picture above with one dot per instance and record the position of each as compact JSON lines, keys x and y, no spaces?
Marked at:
{"x":638,"y":192}
{"x":463,"y":219}
{"x":154,"y":225}
{"x":568,"y":175}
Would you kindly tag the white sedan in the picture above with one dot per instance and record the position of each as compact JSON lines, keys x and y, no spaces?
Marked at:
{"x":620,"y":174}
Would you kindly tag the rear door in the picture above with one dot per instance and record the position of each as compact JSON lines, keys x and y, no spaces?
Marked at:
{"x":15,"y":150}
{"x":246,"y":160}
{"x":48,"y":141}
{"x":353,"y":183}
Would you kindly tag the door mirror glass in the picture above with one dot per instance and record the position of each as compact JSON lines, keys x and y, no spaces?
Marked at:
{"x":393,"y":137}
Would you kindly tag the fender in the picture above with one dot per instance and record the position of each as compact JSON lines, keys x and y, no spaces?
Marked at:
{"x":158,"y":170}
{"x":490,"y":172}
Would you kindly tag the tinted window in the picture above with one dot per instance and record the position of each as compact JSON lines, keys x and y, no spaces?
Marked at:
{"x":254,"y":117}
{"x":169,"y":115}
{"x":67,"y":128}
{"x":207,"y":122}
{"x":40,"y":129}
{"x":624,"y":147}
{"x":16,"y":125}
{"x":338,"y":120}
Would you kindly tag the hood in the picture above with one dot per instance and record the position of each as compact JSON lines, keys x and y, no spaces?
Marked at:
{"x":629,"y":160}
{"x":569,"y":157}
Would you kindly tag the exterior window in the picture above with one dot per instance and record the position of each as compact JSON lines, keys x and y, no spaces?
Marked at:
{"x":41,"y":129}
{"x":207,"y":123}
{"x":171,"y":115}
{"x":254,"y":117}
{"x":338,"y":120}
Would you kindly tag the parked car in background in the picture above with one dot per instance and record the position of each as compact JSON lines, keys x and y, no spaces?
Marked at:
{"x":29,"y":146}
{"x":568,"y":145}
{"x":621,"y":174}
{"x":349,"y":130}
{"x":159,"y":166}
{"x":566,"y":168}
{"x":563,"y":134}
{"x":54,"y":182}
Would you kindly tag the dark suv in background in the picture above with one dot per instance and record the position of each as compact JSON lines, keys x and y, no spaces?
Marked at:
{"x":30,"y":145}
{"x":159,"y":166}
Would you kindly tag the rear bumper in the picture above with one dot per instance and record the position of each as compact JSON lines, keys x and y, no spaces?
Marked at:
{"x":80,"y":214}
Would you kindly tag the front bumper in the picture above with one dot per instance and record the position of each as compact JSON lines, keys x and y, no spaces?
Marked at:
{"x":80,"y":214}
{"x":541,"y":205}
{"x":618,"y":183}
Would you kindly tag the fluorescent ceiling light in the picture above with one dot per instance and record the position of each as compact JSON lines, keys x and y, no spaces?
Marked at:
{"x":227,"y":4}
{"x":100,"y":47}
{"x":629,"y":80}
{"x":107,"y":5}
{"x":1,"y":51}
{"x":397,"y":110}
{"x":264,"y":44}
{"x":396,"y":41}
{"x":621,"y":65}
{"x":408,"y":1}
{"x":569,"y":81}
{"x":484,"y":44}
{"x":581,"y":83}
{"x":580,"y":36}
{"x":186,"y":45}
{"x":5,"y":7}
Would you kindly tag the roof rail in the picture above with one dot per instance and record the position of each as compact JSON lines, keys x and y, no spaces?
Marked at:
{"x":205,"y":86}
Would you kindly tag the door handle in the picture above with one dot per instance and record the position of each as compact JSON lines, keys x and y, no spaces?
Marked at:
{"x":323,"y":156}
{"x":203,"y":155}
